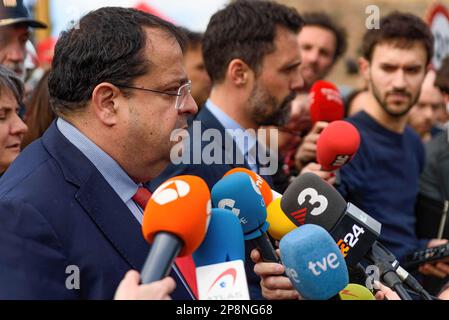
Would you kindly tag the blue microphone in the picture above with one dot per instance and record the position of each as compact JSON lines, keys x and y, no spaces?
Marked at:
{"x":223,"y":242}
{"x":239,"y":193}
{"x":314,"y":263}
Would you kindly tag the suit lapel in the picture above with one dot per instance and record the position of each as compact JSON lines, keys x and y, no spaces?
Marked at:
{"x":98,"y":199}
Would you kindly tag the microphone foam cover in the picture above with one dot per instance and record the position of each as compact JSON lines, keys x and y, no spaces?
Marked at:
{"x":239,"y":193}
{"x":309,"y":199}
{"x":280,"y":225}
{"x":314,"y":262}
{"x":337,"y":145}
{"x":355,"y":292}
{"x":180,"y":206}
{"x":326,"y":102}
{"x":223,"y":242}
{"x":264,"y":187}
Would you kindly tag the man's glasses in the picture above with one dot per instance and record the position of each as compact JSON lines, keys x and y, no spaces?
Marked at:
{"x":181,"y":96}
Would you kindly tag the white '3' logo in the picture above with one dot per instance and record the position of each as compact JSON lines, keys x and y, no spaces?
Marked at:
{"x":314,"y":198}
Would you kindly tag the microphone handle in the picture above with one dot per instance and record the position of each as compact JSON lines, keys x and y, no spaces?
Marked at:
{"x":266,"y":249}
{"x":402,"y":293}
{"x":164,"y":250}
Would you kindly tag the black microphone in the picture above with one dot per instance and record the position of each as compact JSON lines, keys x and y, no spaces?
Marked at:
{"x":309,"y":199}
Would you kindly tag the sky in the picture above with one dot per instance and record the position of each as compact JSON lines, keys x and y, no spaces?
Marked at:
{"x":193,"y":14}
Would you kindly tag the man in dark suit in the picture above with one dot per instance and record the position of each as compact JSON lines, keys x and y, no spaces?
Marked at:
{"x":69,"y":224}
{"x":252,"y":56}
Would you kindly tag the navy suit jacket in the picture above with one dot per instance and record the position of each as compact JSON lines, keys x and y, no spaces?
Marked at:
{"x":211,"y":174}
{"x":57,"y":211}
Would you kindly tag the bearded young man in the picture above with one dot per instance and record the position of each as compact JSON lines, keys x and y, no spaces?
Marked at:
{"x":383,"y":177}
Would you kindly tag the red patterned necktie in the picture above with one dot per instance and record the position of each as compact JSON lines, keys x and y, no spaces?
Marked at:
{"x":185,"y":264}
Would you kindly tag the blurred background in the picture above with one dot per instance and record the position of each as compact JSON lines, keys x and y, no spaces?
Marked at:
{"x":195,"y":14}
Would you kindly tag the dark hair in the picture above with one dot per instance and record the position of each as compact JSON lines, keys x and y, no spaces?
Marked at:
{"x":10,"y":82}
{"x":245,"y":30}
{"x":193,"y":39}
{"x":400,"y":28}
{"x":442,"y":78}
{"x":107,"y":46}
{"x":39,"y":114}
{"x":324,"y":21}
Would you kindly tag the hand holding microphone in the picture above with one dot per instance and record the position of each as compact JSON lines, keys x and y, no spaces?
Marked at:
{"x":130,"y":289}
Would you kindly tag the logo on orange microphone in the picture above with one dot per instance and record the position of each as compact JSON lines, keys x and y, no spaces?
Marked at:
{"x":171,"y":191}
{"x":230,"y":272}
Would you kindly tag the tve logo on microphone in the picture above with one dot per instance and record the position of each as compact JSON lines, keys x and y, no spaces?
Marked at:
{"x":222,"y":281}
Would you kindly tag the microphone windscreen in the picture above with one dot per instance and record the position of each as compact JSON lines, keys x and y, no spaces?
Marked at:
{"x":326,"y":102}
{"x":309,"y":199}
{"x":223,"y":242}
{"x":264,"y":187}
{"x":337,"y":145}
{"x":280,"y":225}
{"x":355,"y":292}
{"x":240,"y":194}
{"x":314,"y":263}
{"x":180,"y":206}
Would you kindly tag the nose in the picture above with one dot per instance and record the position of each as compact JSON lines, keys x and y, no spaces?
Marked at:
{"x":428,"y":113}
{"x":190,"y":106}
{"x":18,"y":127}
{"x":399,"y":81}
{"x":297,"y":83}
{"x":16,"y":52}
{"x":310,"y":56}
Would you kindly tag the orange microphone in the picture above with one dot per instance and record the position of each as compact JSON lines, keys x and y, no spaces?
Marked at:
{"x":174,"y":223}
{"x":268,"y":195}
{"x":337,"y":145}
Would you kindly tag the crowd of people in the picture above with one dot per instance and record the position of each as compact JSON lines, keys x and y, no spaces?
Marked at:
{"x":80,"y":144}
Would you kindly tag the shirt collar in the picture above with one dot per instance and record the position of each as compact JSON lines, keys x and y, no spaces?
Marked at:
{"x":230,"y":124}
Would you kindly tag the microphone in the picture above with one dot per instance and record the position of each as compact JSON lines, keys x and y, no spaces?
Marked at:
{"x":337,"y":145}
{"x":355,"y":292}
{"x":239,"y":193}
{"x":223,"y":241}
{"x":279,"y":223}
{"x":326,"y":102}
{"x":174,"y":222}
{"x":314,"y":263}
{"x":354,"y":231}
{"x":307,"y":199}
{"x":220,"y":259}
{"x":267,"y":194}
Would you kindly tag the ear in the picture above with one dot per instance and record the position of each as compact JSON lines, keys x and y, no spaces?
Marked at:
{"x":238,"y":72}
{"x":105,"y":103}
{"x":364,"y":66}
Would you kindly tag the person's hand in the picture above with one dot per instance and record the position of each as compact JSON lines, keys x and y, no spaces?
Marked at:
{"x":130,"y":289}
{"x":315,"y":168}
{"x":439,"y":269}
{"x":274,"y":285}
{"x":384,"y":292}
{"x":444,"y":295}
{"x":307,"y":150}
